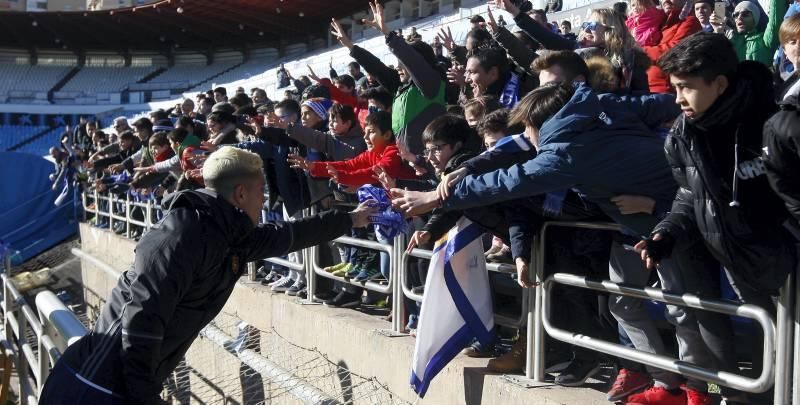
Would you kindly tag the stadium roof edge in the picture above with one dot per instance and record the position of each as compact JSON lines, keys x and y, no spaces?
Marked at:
{"x":167,"y":25}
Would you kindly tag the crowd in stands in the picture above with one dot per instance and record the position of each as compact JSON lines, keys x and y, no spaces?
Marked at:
{"x":676,"y":121}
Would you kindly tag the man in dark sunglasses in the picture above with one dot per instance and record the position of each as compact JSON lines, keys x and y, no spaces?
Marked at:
{"x":749,"y":39}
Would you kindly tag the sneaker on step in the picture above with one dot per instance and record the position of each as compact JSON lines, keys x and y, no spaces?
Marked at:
{"x":694,"y":397}
{"x":303,"y":293}
{"x":626,"y":383}
{"x":344,"y":300}
{"x":353,"y":272}
{"x":282,"y":285}
{"x":658,"y":396}
{"x":331,"y":269}
{"x":296,"y":287}
{"x":367,"y":274}
{"x":477,"y":350}
{"x":577,"y":372}
{"x":340,"y":272}
{"x":511,"y":362}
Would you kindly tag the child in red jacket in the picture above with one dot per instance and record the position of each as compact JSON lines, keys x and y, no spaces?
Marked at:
{"x":381,"y":151}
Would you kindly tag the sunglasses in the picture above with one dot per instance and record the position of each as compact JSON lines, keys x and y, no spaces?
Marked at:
{"x":591,"y":25}
{"x":742,"y":14}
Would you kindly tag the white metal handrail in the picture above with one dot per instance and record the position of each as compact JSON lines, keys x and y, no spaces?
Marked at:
{"x":760,"y":315}
{"x":54,"y":328}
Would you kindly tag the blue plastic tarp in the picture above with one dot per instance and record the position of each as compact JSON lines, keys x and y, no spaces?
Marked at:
{"x":30,"y":222}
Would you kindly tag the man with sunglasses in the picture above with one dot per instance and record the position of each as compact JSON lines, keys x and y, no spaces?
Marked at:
{"x":749,"y":41}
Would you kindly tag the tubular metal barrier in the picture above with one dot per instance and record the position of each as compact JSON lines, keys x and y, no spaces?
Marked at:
{"x":534,"y":366}
{"x":58,"y":321}
{"x":780,"y":335}
{"x":500,"y":319}
{"x":20,"y":322}
{"x":760,"y":315}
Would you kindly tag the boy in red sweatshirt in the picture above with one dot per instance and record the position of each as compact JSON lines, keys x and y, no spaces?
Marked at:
{"x":381,"y":151}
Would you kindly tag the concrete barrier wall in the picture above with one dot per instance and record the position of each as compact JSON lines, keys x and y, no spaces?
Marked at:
{"x":349,"y":338}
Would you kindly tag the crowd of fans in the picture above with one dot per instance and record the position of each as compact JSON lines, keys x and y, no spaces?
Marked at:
{"x":676,"y":121}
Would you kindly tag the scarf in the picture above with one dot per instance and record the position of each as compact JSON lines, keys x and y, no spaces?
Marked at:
{"x":510,"y":95}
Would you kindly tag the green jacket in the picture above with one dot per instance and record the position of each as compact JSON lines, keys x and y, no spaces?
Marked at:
{"x":761,"y":46}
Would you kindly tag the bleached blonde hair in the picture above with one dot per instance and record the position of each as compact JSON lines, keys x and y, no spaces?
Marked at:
{"x":228,"y":167}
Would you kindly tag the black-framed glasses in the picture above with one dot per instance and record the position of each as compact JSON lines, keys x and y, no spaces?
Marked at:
{"x":437,"y":149}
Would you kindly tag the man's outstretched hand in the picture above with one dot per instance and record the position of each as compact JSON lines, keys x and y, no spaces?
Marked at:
{"x":414,"y":203}
{"x":360,"y":215}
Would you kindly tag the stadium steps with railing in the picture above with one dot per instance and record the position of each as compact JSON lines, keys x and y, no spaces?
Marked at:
{"x":61,"y":83}
{"x":152,"y":75}
{"x":31,"y":139}
{"x":218,"y":75}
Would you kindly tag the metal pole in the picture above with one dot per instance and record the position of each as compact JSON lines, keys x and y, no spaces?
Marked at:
{"x":534,"y":366}
{"x":396,"y":267}
{"x":53,"y":312}
{"x":311,"y":275}
{"x":783,"y":361}
{"x":796,"y":363}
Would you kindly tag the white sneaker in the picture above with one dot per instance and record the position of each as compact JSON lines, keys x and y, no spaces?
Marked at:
{"x":282,"y":285}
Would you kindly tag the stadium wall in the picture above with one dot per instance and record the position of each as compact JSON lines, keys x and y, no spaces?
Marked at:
{"x":345,"y":336}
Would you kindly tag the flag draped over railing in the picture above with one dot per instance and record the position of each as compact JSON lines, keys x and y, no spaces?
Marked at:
{"x":457,"y":306}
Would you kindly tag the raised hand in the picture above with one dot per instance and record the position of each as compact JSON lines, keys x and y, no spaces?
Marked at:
{"x":377,"y":21}
{"x":447,"y":39}
{"x":311,"y":75}
{"x":414,"y":203}
{"x":387,"y":181}
{"x":333,"y":173}
{"x":340,"y":34}
{"x":449,"y":181}
{"x":456,"y":75}
{"x":506,"y":5}
{"x":360,"y":215}
{"x":418,"y":238}
{"x":298,"y":162}
{"x":492,"y":23}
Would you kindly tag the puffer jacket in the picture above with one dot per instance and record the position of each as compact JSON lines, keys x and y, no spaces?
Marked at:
{"x":183,"y":274}
{"x":724,"y":195}
{"x":781,"y":154}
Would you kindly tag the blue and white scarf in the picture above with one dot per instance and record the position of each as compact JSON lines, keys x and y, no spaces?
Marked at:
{"x":510,"y":96}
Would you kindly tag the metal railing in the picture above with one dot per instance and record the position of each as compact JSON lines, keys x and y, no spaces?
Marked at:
{"x":49,"y":333}
{"x":777,"y":362}
{"x":779,"y":336}
{"x":500,"y":319}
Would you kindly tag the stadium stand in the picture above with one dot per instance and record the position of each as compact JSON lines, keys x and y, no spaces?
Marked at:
{"x":12,"y":135}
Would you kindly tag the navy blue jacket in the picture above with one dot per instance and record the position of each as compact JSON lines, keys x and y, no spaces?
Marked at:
{"x":598,"y":147}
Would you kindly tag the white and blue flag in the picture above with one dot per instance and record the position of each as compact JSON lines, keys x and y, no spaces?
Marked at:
{"x":457,"y":305}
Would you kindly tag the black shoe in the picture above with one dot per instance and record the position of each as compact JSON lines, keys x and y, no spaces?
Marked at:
{"x":303,"y":293}
{"x":324,"y":296}
{"x":577,"y":373}
{"x":344,"y":300}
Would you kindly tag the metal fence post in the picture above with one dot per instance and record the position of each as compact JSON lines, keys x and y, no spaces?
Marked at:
{"x":128,"y":216}
{"x":534,"y":366}
{"x":22,"y":364}
{"x":783,"y":361}
{"x":398,"y":298}
{"x":796,"y":330}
